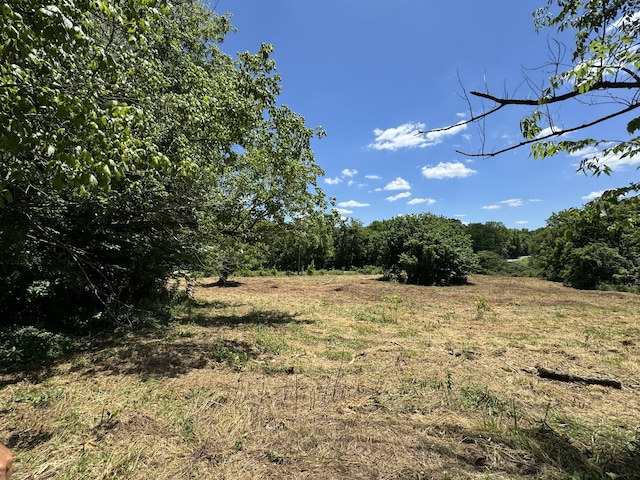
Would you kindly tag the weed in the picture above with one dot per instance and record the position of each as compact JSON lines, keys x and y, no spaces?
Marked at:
{"x":223,"y":352}
{"x":31,"y":344}
{"x":482,"y":307}
{"x":482,"y":397}
{"x":36,"y":395}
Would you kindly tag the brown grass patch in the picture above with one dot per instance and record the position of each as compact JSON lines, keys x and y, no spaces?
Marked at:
{"x":334,"y":377}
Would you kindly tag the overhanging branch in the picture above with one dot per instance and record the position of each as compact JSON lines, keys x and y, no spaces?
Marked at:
{"x":555,"y":133}
{"x":559,"y":98}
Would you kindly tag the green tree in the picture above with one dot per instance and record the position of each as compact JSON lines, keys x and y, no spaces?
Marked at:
{"x":425,"y":249}
{"x":489,"y":236}
{"x":349,"y":240}
{"x":593,"y":246}
{"x":134,"y":148}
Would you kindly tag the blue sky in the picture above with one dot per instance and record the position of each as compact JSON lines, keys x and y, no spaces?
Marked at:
{"x":372,"y":73}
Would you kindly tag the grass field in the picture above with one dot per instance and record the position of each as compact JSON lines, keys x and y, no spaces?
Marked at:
{"x":333,"y":377}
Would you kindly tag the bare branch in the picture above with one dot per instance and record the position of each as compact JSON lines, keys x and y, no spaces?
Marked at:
{"x":555,"y":133}
{"x":559,"y":98}
{"x":466,"y":122}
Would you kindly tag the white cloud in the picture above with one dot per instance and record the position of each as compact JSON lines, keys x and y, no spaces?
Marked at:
{"x":408,"y":135}
{"x":352,"y":204}
{"x":460,"y":215}
{"x":332,"y":181}
{"x":393,"y":198}
{"x":593,"y":195}
{"x":522,"y":222}
{"x":398,"y":184}
{"x":347,"y":172}
{"x":532,"y":200}
{"x":350,"y":183}
{"x":447,"y":170}
{"x":343,"y":211}
{"x":548,"y":131}
{"x":373,"y":177}
{"x":417,"y":201}
{"x":513,"y":202}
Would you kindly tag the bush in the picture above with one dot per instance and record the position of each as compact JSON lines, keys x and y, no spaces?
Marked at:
{"x":430,"y":250}
{"x":30,"y":344}
{"x":490,"y":263}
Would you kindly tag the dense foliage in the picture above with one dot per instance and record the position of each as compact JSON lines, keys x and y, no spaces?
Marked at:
{"x":424,"y":249}
{"x":497,"y":238}
{"x":593,"y":247}
{"x":132,"y":148}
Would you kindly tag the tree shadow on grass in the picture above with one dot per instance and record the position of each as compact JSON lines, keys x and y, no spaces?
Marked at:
{"x":169,"y":349}
{"x":255,"y":317}
{"x":168,"y":360}
{"x":172,"y":351}
{"x":535,"y":453}
{"x":547,"y":447}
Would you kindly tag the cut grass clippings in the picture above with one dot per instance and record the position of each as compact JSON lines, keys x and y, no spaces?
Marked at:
{"x":335,"y":377}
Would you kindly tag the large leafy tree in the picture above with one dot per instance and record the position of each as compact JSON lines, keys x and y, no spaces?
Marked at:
{"x":131,"y":147}
{"x":594,"y":246}
{"x":601,"y":77}
{"x":424,"y":249}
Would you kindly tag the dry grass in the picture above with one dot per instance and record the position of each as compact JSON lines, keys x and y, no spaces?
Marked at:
{"x":344,"y":377}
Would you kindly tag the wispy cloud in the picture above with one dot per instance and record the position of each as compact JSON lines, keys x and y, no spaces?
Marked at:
{"x":393,"y":198}
{"x":343,"y":211}
{"x":373,"y":177}
{"x":447,"y":170}
{"x":347,"y":172}
{"x":398,"y":184}
{"x":521,"y":222}
{"x":352,"y":204}
{"x":332,"y":181}
{"x":417,"y":201}
{"x":408,"y":135}
{"x":593,"y":195}
{"x":512,"y":202}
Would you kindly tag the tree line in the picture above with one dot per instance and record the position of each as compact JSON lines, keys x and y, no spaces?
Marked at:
{"x":595,"y":246}
{"x":134,"y":150}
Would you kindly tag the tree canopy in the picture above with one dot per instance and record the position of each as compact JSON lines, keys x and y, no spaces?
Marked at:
{"x":132,"y":147}
{"x":423,"y":249}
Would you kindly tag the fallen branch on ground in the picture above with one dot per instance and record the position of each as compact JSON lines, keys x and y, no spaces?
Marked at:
{"x":568,"y":377}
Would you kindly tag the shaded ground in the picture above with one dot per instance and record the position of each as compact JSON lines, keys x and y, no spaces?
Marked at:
{"x":344,"y":377}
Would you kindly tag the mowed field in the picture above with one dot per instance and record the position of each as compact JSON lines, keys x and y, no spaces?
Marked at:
{"x":344,"y":377}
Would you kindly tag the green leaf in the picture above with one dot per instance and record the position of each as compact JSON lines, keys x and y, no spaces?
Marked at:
{"x":633,"y":125}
